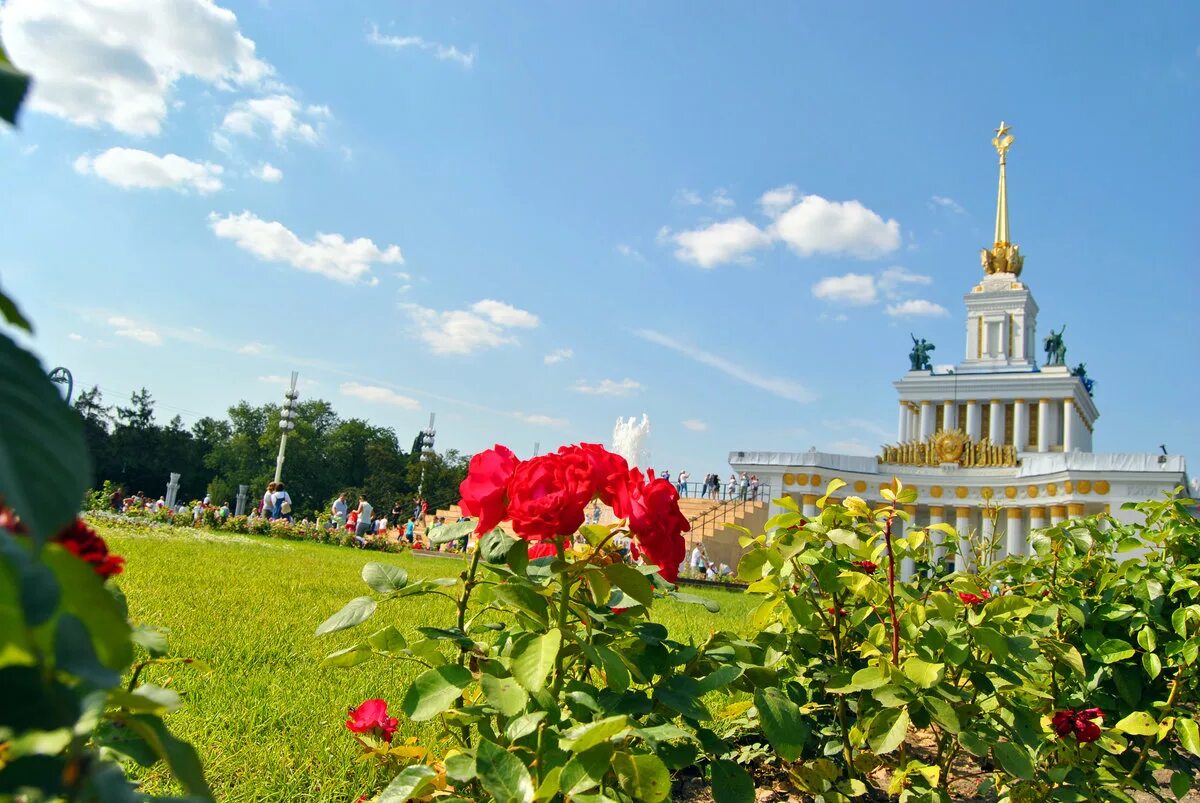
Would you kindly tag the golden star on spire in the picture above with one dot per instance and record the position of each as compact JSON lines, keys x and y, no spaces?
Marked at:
{"x":1002,"y":141}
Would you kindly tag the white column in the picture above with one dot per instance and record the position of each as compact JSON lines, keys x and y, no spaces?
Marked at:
{"x":996,"y":422}
{"x":1043,"y":444}
{"x":1058,"y":514}
{"x":1070,"y":424}
{"x":809,"y":506}
{"x":973,"y":419}
{"x":902,"y":424}
{"x":907,"y":566}
{"x":914,"y":424}
{"x":927,"y":419}
{"x":1037,"y":518}
{"x":962,"y":523}
{"x":1015,"y":543}
{"x":949,"y":415}
{"x":1020,"y":425}
{"x":936,"y":516}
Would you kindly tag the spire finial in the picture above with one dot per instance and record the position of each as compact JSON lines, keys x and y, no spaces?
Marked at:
{"x":1003,"y":257}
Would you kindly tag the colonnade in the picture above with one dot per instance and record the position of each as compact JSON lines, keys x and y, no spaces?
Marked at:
{"x":919,"y":420}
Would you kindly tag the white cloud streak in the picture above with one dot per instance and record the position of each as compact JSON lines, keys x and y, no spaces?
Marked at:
{"x":777,"y":386}
{"x":130,"y":168}
{"x":695,"y":425}
{"x":132,"y":330}
{"x":282,"y":115}
{"x":378,"y":395}
{"x":916,"y":308}
{"x":485,"y":325}
{"x":541,"y":420}
{"x":608,"y":387}
{"x":557,"y":356}
{"x":329,"y":255}
{"x":268,"y":172}
{"x":853,"y":288}
{"x":440,"y":51}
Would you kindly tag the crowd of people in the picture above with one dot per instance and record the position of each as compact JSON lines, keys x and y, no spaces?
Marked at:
{"x":744,"y":487}
{"x":140,"y":503}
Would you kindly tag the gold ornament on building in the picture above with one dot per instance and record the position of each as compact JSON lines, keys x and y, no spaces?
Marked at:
{"x":1003,"y":257}
{"x":950,"y":447}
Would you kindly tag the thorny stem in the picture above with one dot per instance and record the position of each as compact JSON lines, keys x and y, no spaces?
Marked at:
{"x":468,"y":584}
{"x":563,"y":600}
{"x":891,"y":575}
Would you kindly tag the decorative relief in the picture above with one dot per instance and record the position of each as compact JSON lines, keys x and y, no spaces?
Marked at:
{"x":950,"y":446}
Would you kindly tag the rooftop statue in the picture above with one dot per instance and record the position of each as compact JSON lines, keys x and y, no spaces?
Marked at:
{"x":919,"y":356}
{"x":1081,"y":372}
{"x":1056,"y":349}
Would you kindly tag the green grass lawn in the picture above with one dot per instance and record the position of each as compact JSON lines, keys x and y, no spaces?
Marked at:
{"x":267,"y":721}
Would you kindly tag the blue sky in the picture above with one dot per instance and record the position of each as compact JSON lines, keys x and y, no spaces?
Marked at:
{"x":532,"y":219}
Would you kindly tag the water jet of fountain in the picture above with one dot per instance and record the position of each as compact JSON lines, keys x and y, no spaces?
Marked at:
{"x":629,"y":438}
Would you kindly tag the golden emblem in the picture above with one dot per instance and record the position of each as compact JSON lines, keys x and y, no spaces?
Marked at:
{"x":948,"y":445}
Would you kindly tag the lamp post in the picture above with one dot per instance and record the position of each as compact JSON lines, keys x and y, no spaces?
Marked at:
{"x":426,"y":452}
{"x":61,"y":376}
{"x":286,"y":423}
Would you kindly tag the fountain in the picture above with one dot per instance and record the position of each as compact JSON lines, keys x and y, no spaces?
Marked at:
{"x":629,"y":438}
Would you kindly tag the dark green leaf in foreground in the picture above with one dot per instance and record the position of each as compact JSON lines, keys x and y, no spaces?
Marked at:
{"x":502,"y":774}
{"x":384,"y":577}
{"x":44,"y":464}
{"x":13,"y":86}
{"x":413,"y":781}
{"x":731,"y":783}
{"x":434,"y":691}
{"x":782,"y":723}
{"x":355,"y":612}
{"x":643,"y":777}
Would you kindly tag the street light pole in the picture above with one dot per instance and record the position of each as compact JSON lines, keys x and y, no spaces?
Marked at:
{"x":286,"y":423}
{"x":426,"y":452}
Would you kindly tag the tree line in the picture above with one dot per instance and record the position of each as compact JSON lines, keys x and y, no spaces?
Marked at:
{"x":326,"y":455}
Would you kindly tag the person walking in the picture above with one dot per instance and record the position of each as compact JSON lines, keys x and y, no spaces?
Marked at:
{"x":754,"y":487}
{"x":744,"y":486}
{"x":363,"y":525}
{"x":684,"y":476}
{"x":283,"y":503}
{"x":340,"y":510}
{"x":268,"y":502}
{"x":731,"y":486}
{"x":410,"y":530}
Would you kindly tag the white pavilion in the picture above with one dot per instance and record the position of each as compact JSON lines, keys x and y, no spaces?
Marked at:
{"x":998,"y":445}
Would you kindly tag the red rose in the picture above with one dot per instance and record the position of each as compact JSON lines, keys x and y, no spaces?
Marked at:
{"x":975,"y":599}
{"x":1086,"y":730}
{"x":866,"y":566}
{"x":371,"y":717}
{"x":608,"y":475}
{"x":1063,"y":722}
{"x":484,"y":489}
{"x":542,"y":549}
{"x":83,"y":542}
{"x":547,"y":495}
{"x":656,"y":523}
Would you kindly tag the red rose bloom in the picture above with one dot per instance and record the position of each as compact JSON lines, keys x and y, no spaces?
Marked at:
{"x":542,"y":549}
{"x":484,"y":489}
{"x":547,"y":495}
{"x":10,"y":522}
{"x":608,"y":475}
{"x":83,"y":542}
{"x":656,"y":523}
{"x":1063,"y":722}
{"x":1081,"y":723}
{"x":866,"y":566}
{"x":974,"y":599}
{"x":371,"y":717}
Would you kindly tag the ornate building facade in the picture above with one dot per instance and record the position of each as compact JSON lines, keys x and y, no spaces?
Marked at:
{"x":997,"y":446}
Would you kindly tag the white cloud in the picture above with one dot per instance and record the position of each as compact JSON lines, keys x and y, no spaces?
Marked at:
{"x":853,"y":288}
{"x":719,"y":199}
{"x":378,"y":395}
{"x":124,"y":327}
{"x":329,"y":255}
{"x":916,"y":307}
{"x":839,"y":317}
{"x":439,"y":50}
{"x":116,"y":62}
{"x":268,"y":172}
{"x":629,"y":252}
{"x":284,"y":116}
{"x":130,"y":168}
{"x":484,"y":325}
{"x":819,"y":226}
{"x":75,"y":336}
{"x":695,"y":425}
{"x":557,"y":356}
{"x":947,"y":203}
{"x":286,"y":381}
{"x":728,"y":241}
{"x":784,"y":388}
{"x":608,"y":387}
{"x":894,"y":279}
{"x":505,"y":315}
{"x":254,"y":348}
{"x":687,"y":197}
{"x":776,"y":201}
{"x":541,"y":420}
{"x":810,"y":225}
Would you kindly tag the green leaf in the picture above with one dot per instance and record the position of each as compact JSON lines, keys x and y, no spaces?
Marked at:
{"x":1139,"y":723}
{"x":1113,"y":650}
{"x":85,"y":596}
{"x":11,"y":313}
{"x":643,"y":777}
{"x":525,"y":599}
{"x":13,"y":86}
{"x":523,"y":725}
{"x":351,"y":656}
{"x":533,"y":658}
{"x":782,"y":723}
{"x":384,"y":577}
{"x":355,"y":612}
{"x":387,"y":640}
{"x":887,"y":730}
{"x":1181,"y":784}
{"x":631,"y":581}
{"x":44,"y":464}
{"x":434,"y":691}
{"x":74,"y":654}
{"x":502,"y":774}
{"x":692,"y":599}
{"x":1146,"y":639}
{"x":150,"y":639}
{"x":1152,"y":664}
{"x":586,"y":769}
{"x":505,"y":694}
{"x":1189,"y":734}
{"x":682,"y":693}
{"x":991,"y":640}
{"x":585,"y":737}
{"x":453,"y":532}
{"x":923,"y":673}
{"x":412,"y":782}
{"x":731,"y":783}
{"x":1014,"y":759}
{"x":615,"y":671}
{"x":943,"y":713}
{"x":720,"y":677}
{"x":180,"y":756}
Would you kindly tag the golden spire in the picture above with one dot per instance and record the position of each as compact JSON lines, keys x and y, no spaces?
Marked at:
{"x":1003,"y":256}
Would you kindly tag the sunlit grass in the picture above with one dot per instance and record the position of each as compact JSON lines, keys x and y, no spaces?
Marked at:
{"x":267,"y":720}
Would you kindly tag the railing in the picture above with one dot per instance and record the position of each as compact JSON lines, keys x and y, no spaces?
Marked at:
{"x":724,"y":493}
{"x":730,"y":509}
